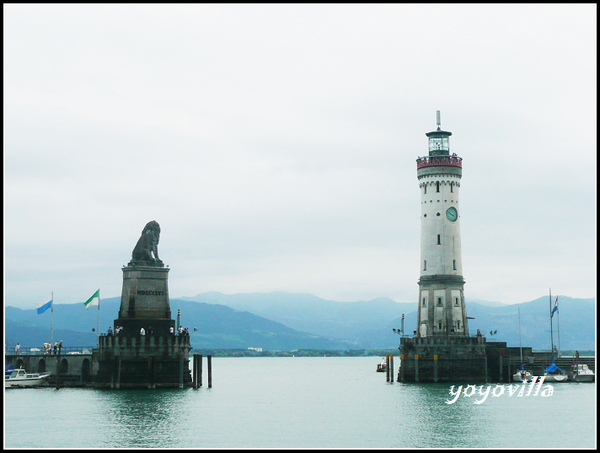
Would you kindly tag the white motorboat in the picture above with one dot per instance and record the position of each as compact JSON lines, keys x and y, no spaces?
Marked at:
{"x":20,"y":378}
{"x":582,"y":373}
{"x":382,"y":366}
{"x":522,"y":376}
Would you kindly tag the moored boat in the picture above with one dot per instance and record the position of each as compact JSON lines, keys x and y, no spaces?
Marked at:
{"x":582,"y":373}
{"x":555,"y":374}
{"x":522,"y":376}
{"x":20,"y":378}
{"x":556,"y":377}
{"x":381,"y":366}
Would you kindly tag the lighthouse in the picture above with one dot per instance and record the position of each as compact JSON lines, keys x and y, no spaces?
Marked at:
{"x":441,"y":308}
{"x":441,"y":348}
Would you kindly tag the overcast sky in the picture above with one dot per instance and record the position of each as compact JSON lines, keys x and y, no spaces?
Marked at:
{"x":276,"y":144}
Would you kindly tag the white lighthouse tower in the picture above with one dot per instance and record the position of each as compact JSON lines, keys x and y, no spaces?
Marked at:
{"x":442,"y":310}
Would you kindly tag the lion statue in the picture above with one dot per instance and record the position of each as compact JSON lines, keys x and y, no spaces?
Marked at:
{"x":147,"y":245}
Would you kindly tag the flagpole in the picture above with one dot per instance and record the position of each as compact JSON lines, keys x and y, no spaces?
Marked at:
{"x":98,"y":327}
{"x":51,"y":318}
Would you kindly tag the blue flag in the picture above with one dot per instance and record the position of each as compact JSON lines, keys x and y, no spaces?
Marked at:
{"x":45,"y":305}
{"x":555,"y":307}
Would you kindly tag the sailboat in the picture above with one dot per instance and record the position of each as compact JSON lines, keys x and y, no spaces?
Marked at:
{"x":521,"y":375}
{"x":553,"y":373}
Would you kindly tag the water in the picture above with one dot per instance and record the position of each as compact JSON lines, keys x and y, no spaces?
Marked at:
{"x":333,"y":402}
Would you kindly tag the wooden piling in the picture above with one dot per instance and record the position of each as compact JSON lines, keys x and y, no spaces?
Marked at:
{"x":194,"y":371}
{"x":435,"y":368}
{"x":200,"y":371}
{"x":387,"y":368}
{"x":209,"y":366}
{"x":391,"y":367}
{"x":197,"y":371}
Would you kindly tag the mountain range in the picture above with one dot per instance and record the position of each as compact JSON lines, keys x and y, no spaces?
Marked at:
{"x":288,"y":321}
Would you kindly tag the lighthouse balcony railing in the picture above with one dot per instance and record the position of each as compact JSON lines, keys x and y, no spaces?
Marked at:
{"x":435,"y":161}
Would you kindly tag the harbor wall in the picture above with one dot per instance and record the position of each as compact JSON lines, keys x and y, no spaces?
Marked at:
{"x":73,"y":369}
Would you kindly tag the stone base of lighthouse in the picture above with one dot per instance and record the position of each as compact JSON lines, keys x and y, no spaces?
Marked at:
{"x":442,"y":359}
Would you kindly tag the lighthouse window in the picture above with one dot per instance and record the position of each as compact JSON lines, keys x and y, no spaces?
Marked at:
{"x":456,"y":301}
{"x":437,"y":186}
{"x":451,"y":187}
{"x":425,"y":188}
{"x":440,"y":325}
{"x":439,"y":239}
{"x":457,"y":325}
{"x":424,"y":301}
{"x":454,"y":264}
{"x":425,"y":265}
{"x":439,"y":302}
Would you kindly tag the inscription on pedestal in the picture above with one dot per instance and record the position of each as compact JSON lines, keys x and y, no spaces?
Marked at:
{"x":142,"y":292}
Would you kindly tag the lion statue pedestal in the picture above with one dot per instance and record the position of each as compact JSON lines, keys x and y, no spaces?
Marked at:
{"x":144,"y":350}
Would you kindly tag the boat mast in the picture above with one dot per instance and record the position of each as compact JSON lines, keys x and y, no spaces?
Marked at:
{"x":558,"y":327}
{"x":520,"y":348}
{"x":551,"y":335}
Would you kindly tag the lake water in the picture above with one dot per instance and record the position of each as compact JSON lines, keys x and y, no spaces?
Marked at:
{"x":299,"y":402}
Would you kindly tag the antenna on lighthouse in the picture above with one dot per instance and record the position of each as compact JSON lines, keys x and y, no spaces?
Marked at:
{"x":438,"y":119}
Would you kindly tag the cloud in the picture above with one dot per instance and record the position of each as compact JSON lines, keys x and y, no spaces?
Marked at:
{"x":276,"y":145}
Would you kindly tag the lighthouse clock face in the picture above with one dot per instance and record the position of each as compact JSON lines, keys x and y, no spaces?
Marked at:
{"x":452,"y":214}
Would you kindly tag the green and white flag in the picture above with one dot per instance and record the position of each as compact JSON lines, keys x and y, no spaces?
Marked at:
{"x":94,"y":300}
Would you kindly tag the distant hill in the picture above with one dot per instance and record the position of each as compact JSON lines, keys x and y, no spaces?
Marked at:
{"x":354,"y":321}
{"x":286,"y":321}
{"x":217,"y":326}
{"x":369,"y":324}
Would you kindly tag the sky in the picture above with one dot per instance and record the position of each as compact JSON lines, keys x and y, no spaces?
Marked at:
{"x":276,"y":146}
